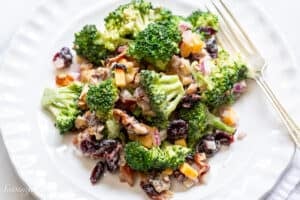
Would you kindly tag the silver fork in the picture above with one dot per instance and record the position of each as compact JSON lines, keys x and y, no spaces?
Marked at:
{"x":233,"y":38}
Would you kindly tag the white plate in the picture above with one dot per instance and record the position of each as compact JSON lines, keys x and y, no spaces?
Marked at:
{"x":48,"y":163}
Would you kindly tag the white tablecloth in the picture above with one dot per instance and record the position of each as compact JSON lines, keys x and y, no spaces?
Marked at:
{"x":284,"y":13}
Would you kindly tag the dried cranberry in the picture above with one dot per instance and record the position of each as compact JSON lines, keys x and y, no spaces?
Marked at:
{"x":223,"y":138}
{"x":177,"y":129}
{"x":109,"y":150}
{"x":88,"y":146}
{"x":126,"y":104}
{"x":211,"y":47}
{"x":63,"y":58}
{"x":189,"y":100}
{"x":97,"y":172}
{"x":98,"y":148}
{"x":119,"y":66}
{"x":106,"y":146}
{"x":206,"y":31}
{"x":208,"y":145}
{"x":149,"y":189}
{"x":190,"y":158}
{"x":56,"y":56}
{"x":112,"y":163}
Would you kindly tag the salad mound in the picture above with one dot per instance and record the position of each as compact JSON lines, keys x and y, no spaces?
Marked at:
{"x":148,"y":96}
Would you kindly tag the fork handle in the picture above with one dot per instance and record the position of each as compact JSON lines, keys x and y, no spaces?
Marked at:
{"x":292,"y":127}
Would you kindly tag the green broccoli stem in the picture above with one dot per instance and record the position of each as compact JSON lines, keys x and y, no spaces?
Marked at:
{"x":171,"y":89}
{"x":172,"y":95}
{"x":141,"y":24}
{"x":201,"y":80}
{"x":168,"y":79}
{"x":218,"y":124}
{"x":62,"y":104}
{"x":55,"y":111}
{"x":159,"y":64}
{"x":170,"y":84}
{"x":174,"y":104}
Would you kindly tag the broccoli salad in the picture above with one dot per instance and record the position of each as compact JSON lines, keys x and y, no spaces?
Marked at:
{"x":149,"y":96}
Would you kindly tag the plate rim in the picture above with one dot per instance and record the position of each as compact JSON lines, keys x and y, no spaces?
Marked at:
{"x":43,"y":3}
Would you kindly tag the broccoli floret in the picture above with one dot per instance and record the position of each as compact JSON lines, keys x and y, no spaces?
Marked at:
{"x":140,"y":158}
{"x":156,"y":44}
{"x":130,"y":19}
{"x":163,"y":14}
{"x":112,"y":128}
{"x":123,"y":24}
{"x":62,"y":104}
{"x":111,"y":40}
{"x":200,"y":120}
{"x":88,"y":44}
{"x":203,"y":81}
{"x":204,"y":19}
{"x":164,"y":92}
{"x":157,"y":121}
{"x":101,"y":98}
{"x":226,"y":74}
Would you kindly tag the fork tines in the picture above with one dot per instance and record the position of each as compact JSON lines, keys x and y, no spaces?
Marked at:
{"x":232,"y":36}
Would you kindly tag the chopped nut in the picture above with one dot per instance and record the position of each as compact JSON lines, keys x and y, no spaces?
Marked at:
{"x":182,"y":68}
{"x":96,"y":131}
{"x":86,"y":66}
{"x":82,"y":98}
{"x":199,"y":158}
{"x":81,"y":122}
{"x":161,"y":183}
{"x":94,"y":76}
{"x":126,"y":175}
{"x":189,"y":182}
{"x":130,"y":123}
{"x":186,"y":80}
{"x":192,"y":89}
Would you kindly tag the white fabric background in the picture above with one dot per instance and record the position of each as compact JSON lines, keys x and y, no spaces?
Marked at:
{"x":284,"y":14}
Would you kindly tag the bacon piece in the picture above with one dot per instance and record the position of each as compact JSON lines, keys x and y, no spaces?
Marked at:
{"x":127,"y":175}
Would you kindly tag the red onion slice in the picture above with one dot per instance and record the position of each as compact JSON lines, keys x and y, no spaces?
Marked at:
{"x":59,"y":63}
{"x":239,"y":87}
{"x":184,"y":26}
{"x":204,"y":67}
{"x":156,"y":138}
{"x":122,"y":48}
